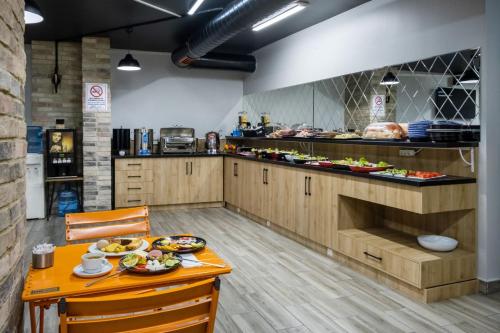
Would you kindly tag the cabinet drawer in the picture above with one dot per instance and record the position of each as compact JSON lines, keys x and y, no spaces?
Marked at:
{"x":133,"y":176}
{"x":131,"y":200}
{"x":133,"y":164}
{"x":365,"y":248}
{"x":133,"y":188}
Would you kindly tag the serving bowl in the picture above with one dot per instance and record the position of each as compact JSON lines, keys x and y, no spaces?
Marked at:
{"x":437,"y":243}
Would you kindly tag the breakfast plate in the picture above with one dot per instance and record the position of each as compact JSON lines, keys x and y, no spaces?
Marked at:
{"x":94,"y":249}
{"x":179,"y":244}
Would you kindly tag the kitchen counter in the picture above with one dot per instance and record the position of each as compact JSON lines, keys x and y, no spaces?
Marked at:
{"x":448,"y":180}
{"x":197,"y":154}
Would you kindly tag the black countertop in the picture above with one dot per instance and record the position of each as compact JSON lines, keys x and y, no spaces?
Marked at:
{"x":448,"y":180}
{"x":197,"y":154}
{"x":388,"y":143}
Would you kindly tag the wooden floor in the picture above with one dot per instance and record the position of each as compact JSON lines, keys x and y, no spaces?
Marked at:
{"x":278,"y":285}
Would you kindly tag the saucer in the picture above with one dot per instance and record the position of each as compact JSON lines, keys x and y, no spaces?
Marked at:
{"x":78,"y":271}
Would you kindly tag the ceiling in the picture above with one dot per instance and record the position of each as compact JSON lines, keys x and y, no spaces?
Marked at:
{"x":70,"y":20}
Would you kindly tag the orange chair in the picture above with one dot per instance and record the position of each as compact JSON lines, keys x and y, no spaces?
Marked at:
{"x":186,"y":309}
{"x":135,"y":221}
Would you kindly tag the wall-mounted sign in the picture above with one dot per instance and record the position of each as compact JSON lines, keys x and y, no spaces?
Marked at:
{"x":377,"y":110}
{"x":96,"y":97}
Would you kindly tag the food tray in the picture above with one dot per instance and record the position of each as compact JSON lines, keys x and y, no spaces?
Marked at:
{"x":379,"y":173}
{"x":156,"y":243}
{"x":366,"y":169}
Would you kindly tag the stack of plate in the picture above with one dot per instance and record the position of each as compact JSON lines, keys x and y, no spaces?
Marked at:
{"x":417,"y":131}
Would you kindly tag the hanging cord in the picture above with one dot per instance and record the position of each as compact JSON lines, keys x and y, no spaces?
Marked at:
{"x":468,"y":163}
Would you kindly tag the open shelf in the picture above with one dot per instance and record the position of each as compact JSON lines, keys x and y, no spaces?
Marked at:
{"x":407,"y":144}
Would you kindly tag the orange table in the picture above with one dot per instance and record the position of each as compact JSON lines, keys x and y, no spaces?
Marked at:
{"x":43,"y":287}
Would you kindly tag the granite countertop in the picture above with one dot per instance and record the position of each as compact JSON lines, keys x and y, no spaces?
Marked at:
{"x":196,"y":154}
{"x":448,"y":180}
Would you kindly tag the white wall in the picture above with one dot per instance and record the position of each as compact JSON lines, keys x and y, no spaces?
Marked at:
{"x":489,"y":153}
{"x":162,"y":95}
{"x":373,"y":35}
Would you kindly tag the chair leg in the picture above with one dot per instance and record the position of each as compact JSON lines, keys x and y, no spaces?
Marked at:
{"x":213,"y":305}
{"x":32,"y":317}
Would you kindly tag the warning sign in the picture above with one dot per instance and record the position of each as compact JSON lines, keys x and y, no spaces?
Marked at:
{"x":377,"y":110}
{"x":96,"y":97}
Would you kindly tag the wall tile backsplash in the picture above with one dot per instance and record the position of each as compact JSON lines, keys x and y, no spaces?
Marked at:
{"x":437,"y":88}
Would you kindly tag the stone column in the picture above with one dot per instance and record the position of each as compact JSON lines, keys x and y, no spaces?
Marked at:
{"x":97,"y":131}
{"x":12,"y":162}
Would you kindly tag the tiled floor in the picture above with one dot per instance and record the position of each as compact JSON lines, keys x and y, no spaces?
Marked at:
{"x":278,"y":285}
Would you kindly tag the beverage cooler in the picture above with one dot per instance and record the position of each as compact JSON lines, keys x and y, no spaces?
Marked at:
{"x":35,"y":190}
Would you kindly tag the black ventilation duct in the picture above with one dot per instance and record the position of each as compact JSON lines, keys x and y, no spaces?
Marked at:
{"x":238,"y":16}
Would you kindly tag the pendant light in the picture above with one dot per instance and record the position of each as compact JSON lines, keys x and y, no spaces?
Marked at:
{"x":129,"y":63}
{"x":389,"y":79}
{"x":469,"y":77}
{"x":32,"y":12}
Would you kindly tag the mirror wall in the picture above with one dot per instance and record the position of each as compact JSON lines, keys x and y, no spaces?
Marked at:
{"x":444,"y":87}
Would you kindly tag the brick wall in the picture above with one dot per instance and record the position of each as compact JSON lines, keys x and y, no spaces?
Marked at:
{"x":97,"y":130}
{"x":46,"y":105}
{"x":12,"y":154}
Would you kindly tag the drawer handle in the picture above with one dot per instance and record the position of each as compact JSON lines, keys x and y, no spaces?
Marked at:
{"x":135,"y":188}
{"x":305,"y":185}
{"x":134,"y":164}
{"x":309,"y":186}
{"x":134,"y":176}
{"x":136,"y":200}
{"x":372,"y":256}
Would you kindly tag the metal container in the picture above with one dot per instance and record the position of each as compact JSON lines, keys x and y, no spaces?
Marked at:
{"x":177,"y":139}
{"x":138,"y":140}
{"x":45,"y":260}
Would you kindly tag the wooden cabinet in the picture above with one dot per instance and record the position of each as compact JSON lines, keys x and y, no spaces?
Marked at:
{"x":168,"y":181}
{"x":314,"y":207}
{"x":282,"y":196}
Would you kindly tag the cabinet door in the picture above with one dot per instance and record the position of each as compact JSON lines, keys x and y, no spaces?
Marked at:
{"x":205,"y":179}
{"x":233,"y":181}
{"x":302,"y":200}
{"x":252,"y":187}
{"x":171,"y":181}
{"x":320,"y":209}
{"x":281,"y":196}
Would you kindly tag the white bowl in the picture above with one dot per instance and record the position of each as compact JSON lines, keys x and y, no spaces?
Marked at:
{"x":437,"y":243}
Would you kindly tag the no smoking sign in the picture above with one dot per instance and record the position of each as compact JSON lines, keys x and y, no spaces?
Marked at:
{"x":96,"y":97}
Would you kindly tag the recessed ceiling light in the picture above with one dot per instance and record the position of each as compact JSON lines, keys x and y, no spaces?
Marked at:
{"x":280,"y":15}
{"x":195,"y":7}
{"x":32,"y":12}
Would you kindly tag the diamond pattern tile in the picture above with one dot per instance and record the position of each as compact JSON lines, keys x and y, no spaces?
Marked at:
{"x":345,"y":102}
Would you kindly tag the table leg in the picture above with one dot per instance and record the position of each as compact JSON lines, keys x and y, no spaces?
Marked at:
{"x":42,"y":318}
{"x":32,"y":317}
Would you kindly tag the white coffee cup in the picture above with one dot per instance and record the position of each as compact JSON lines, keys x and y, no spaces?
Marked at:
{"x":93,"y":262}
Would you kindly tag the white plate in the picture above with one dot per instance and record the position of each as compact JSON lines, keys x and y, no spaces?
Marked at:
{"x":437,"y":243}
{"x":93,"y":249}
{"x":78,"y":271}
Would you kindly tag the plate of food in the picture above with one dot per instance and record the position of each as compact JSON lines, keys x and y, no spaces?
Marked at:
{"x":362,"y":165}
{"x":347,"y":136}
{"x":117,"y":247}
{"x":403,"y":173}
{"x":154,"y":262}
{"x":179,"y":244}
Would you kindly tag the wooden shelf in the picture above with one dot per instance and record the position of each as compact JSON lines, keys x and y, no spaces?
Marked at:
{"x":399,"y":255}
{"x":407,"y":144}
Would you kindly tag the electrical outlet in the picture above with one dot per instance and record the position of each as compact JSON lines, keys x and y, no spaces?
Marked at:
{"x":238,"y":210}
{"x":329,"y":252}
{"x":268,"y":223}
{"x":407,"y":152}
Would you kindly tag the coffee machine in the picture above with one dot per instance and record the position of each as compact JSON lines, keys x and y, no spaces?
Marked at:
{"x":61,"y":153}
{"x":143,"y":141}
{"x":120,"y":144}
{"x":212,"y":142}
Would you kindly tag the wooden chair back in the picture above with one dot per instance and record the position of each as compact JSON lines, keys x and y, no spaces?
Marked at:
{"x":109,"y":223}
{"x":187,"y":309}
